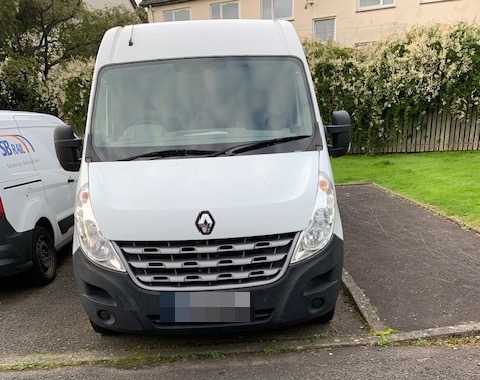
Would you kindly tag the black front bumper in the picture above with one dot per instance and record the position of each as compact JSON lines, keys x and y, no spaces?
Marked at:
{"x":306,"y":291}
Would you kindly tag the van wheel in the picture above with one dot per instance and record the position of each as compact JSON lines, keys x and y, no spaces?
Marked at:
{"x":325,"y":318}
{"x":101,"y":330}
{"x":44,"y":257}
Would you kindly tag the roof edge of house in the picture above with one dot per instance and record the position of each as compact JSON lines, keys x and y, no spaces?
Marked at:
{"x":145,"y":3}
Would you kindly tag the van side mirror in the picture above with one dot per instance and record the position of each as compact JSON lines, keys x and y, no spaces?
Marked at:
{"x":68,"y":148}
{"x":339,"y":133}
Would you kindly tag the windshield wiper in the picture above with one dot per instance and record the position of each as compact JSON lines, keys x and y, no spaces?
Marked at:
{"x":211,"y":153}
{"x":169,"y":153}
{"x":258,"y":145}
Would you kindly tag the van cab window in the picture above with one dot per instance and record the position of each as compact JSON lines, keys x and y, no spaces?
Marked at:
{"x":201,"y":107}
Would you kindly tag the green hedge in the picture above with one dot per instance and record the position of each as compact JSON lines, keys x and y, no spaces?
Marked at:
{"x":394,"y":82}
{"x":68,"y":91}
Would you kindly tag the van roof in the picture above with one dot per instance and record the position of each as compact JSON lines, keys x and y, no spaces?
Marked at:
{"x":206,"y":38}
{"x":24,"y":115}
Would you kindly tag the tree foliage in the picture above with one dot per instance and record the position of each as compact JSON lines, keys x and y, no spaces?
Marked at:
{"x":8,"y":11}
{"x":37,"y":36}
{"x":40,"y":27}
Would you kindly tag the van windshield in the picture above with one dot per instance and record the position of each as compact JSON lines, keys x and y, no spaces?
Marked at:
{"x":201,"y":106}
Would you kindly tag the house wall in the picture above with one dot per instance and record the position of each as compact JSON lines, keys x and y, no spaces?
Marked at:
{"x":200,"y":9}
{"x":100,"y":4}
{"x":352,"y":26}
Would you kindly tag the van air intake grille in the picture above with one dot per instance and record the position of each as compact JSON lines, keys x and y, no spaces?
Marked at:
{"x":207,"y":263}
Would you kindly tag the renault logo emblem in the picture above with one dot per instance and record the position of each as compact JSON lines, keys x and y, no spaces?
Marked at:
{"x":205,"y":223}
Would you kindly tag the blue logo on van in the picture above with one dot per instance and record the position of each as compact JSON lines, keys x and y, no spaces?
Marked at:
{"x":20,"y":145}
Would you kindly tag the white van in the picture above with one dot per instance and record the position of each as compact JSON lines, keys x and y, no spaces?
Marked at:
{"x":206,"y":198}
{"x":36,"y":196}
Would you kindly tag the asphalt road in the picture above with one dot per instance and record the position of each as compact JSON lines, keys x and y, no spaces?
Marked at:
{"x":369,"y":363}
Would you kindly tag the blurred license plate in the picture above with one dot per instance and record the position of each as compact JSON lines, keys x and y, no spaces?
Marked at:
{"x":205,"y":307}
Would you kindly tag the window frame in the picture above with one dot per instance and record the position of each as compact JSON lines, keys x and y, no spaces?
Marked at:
{"x":272,"y":9}
{"x":173,"y":11}
{"x":334,"y":18}
{"x":375,"y":7}
{"x":221,"y":4}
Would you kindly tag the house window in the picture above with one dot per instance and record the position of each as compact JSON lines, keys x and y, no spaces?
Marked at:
{"x":430,"y":1}
{"x":176,"y":15}
{"x":224,"y":10}
{"x":277,"y":9}
{"x":373,"y":4}
{"x":324,"y":29}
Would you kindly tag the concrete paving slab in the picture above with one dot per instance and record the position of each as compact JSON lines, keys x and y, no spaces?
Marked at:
{"x":419,"y":269}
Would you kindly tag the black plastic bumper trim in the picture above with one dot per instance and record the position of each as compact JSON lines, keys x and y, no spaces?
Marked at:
{"x":306,"y":291}
{"x":14,"y":249}
{"x":66,"y":223}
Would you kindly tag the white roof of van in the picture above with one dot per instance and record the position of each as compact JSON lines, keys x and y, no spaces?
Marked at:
{"x":206,"y":38}
{"x":24,"y":115}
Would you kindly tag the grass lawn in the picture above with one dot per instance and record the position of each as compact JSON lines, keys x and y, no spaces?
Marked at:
{"x":448,"y":181}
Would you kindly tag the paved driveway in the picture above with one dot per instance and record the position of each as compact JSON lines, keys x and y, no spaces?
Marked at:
{"x":418,"y":269}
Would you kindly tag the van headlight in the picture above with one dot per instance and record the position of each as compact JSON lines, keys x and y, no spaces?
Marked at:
{"x":95,"y":246}
{"x":319,"y":231}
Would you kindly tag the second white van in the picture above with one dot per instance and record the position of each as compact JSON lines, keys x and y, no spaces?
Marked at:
{"x":36,"y":196}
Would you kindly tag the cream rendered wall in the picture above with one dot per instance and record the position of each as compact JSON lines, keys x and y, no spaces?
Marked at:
{"x":100,"y":4}
{"x":354,"y":26}
{"x":351,"y":26}
{"x":200,"y":9}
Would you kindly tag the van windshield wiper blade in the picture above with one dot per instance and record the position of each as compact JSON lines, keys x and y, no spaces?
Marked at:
{"x":258,"y":145}
{"x":211,"y":153}
{"x":169,"y":153}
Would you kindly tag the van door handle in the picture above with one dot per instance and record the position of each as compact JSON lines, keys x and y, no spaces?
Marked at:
{"x":70,"y":180}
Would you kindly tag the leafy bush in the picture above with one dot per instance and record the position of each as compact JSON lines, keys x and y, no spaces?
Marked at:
{"x":68,"y":90}
{"x":20,"y":84}
{"x":391,"y":84}
{"x":46,"y":50}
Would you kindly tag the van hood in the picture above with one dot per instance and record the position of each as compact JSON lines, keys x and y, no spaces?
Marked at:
{"x":161,"y":200}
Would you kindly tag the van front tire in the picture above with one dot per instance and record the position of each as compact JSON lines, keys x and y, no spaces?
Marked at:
{"x":44,"y":257}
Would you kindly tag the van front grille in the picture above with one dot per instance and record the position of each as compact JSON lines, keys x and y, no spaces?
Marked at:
{"x":207,"y":263}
